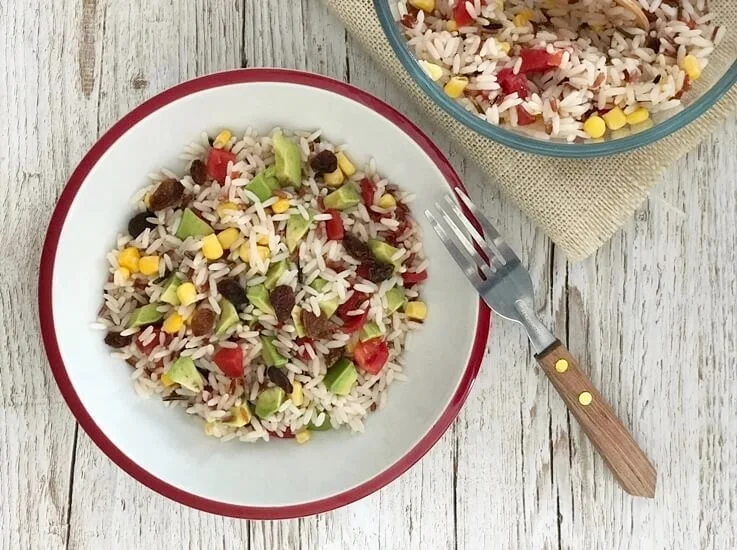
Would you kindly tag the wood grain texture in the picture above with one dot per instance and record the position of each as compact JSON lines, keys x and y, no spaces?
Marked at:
{"x":651,"y":315}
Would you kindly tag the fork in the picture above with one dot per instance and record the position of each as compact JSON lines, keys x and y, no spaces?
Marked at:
{"x":505,"y":285}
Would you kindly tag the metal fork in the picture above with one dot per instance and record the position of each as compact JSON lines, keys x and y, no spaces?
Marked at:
{"x":505,"y":285}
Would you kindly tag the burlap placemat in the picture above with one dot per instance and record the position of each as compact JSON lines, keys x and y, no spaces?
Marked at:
{"x":578,"y":203}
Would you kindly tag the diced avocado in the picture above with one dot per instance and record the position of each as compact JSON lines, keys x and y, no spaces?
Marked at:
{"x":395,"y":300}
{"x":369,"y":331}
{"x":328,"y":307}
{"x":268,"y":402}
{"x":263,"y":184}
{"x":288,"y":169}
{"x":271,"y":356}
{"x":170,"y":285}
{"x":239,"y":416}
{"x":258,"y":296}
{"x":184,"y":373}
{"x":341,"y":377}
{"x":297,"y":319}
{"x":297,"y":228}
{"x":324,"y":427}
{"x":145,"y":315}
{"x":384,"y":252}
{"x":275,"y":271}
{"x":191,"y":225}
{"x":318,"y":284}
{"x":343,"y":197}
{"x":228,"y":317}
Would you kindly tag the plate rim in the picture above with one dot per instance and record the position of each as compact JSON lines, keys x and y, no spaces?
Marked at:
{"x":48,"y":331}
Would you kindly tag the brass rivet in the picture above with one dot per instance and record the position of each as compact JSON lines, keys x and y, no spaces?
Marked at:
{"x":585,"y":398}
{"x":561,"y":365}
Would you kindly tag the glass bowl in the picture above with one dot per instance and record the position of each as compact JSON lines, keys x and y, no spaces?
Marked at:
{"x":718,"y":77}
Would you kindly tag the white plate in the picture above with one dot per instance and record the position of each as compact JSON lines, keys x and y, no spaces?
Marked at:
{"x":166,"y":449}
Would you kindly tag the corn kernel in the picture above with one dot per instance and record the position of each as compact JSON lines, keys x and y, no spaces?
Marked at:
{"x":227,"y":208}
{"x":263,"y":252}
{"x":228,"y":236}
{"x":692,"y":66}
{"x":147,"y":200}
{"x":263,"y":240}
{"x":187,"y":294}
{"x":504,"y":47}
{"x":523,"y":17}
{"x":387,"y":200}
{"x":280,"y":206}
{"x":595,"y":126}
{"x":451,"y":25}
{"x":239,"y":416}
{"x":416,"y":311}
{"x":427,"y":6}
{"x":166,"y":381}
{"x":211,"y":247}
{"x":173,"y":323}
{"x":222,"y":139}
{"x":334,"y":179}
{"x":435,"y":72}
{"x":123,"y":273}
{"x":297,"y":396}
{"x":303,"y":436}
{"x":149,"y":265}
{"x":455,"y":86}
{"x":129,"y":258}
{"x":615,"y":119}
{"x":345,"y":164}
{"x":638,"y":115}
{"x":245,"y":252}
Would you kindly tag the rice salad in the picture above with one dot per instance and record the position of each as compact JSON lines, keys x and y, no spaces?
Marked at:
{"x":269,"y":290}
{"x":571,"y":70}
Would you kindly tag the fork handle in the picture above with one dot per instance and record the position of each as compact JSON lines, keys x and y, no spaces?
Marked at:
{"x":615,"y":444}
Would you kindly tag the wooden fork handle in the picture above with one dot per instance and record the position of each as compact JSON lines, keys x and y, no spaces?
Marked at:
{"x":625,"y":459}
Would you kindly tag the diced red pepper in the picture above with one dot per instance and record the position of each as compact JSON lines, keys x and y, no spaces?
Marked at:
{"x":535,"y":60}
{"x":461,"y":15}
{"x":230,"y":361}
{"x":371,"y":355}
{"x":367,"y":191}
{"x":411,"y":278}
{"x":301,"y":341}
{"x":356,"y":299}
{"x":511,"y":83}
{"x":354,"y":323}
{"x":334,"y":226}
{"x":523,"y":117}
{"x":148,"y":348}
{"x":287,"y":434}
{"x":217,"y":164}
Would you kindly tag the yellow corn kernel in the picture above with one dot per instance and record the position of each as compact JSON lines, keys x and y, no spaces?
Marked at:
{"x":303,"y":436}
{"x":263,"y":240}
{"x":427,"y":6}
{"x":149,"y":265}
{"x":166,"y":381}
{"x":263,"y":252}
{"x":523,"y":17}
{"x":147,"y":200}
{"x":222,"y":139}
{"x":173,"y":323}
{"x":416,"y":311}
{"x":129,"y":258}
{"x":239,"y":416}
{"x":595,"y":126}
{"x":504,"y":47}
{"x":227,"y":208}
{"x":124,"y":273}
{"x":228,"y":236}
{"x":455,"y":86}
{"x":387,"y":200}
{"x":297,"y":396}
{"x":211,"y":247}
{"x":245,"y":252}
{"x":280,"y":206}
{"x":187,"y":294}
{"x":451,"y":25}
{"x":435,"y":72}
{"x":692,"y":66}
{"x":638,"y":115}
{"x":345,"y":164}
{"x":615,"y":119}
{"x":334,"y":179}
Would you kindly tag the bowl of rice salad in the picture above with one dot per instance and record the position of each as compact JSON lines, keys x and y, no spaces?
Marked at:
{"x":566,"y":78}
{"x":238,"y":278}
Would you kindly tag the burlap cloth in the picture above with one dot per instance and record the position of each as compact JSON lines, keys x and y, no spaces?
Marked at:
{"x":578,"y":203}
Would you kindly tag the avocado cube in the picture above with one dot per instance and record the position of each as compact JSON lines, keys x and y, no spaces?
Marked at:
{"x":275,"y":271}
{"x":145,"y":315}
{"x":239,"y":416}
{"x":341,"y":377}
{"x":297,"y":228}
{"x":263,"y":184}
{"x":395,"y":300}
{"x":270,"y":355}
{"x":328,"y":307}
{"x":228,"y":317}
{"x":258,"y":297}
{"x":384,"y":252}
{"x":342,"y":198}
{"x":269,"y":401}
{"x":184,"y":373}
{"x":297,"y":320}
{"x":191,"y":225}
{"x":369,"y":331}
{"x":288,"y":167}
{"x":324,"y":427}
{"x":170,"y":285}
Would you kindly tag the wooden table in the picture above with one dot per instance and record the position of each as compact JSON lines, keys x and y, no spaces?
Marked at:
{"x":652,"y":315}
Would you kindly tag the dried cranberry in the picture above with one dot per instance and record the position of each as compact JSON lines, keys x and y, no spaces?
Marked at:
{"x":324,"y":162}
{"x":139,"y":223}
{"x":198,"y":171}
{"x":356,"y":248}
{"x":316,"y":326}
{"x":277,"y":376}
{"x":282,"y":300}
{"x":117,"y":340}
{"x":378,"y":272}
{"x":232,"y":291}
{"x":202,"y":321}
{"x":168,"y":194}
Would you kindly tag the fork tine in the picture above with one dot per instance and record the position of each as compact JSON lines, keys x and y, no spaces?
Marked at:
{"x":464,"y":221}
{"x":460,"y":237}
{"x":497,"y":241}
{"x":463,"y":261}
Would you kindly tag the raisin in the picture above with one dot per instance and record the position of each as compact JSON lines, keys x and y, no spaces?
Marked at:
{"x":356,"y":248}
{"x":282,"y":300}
{"x":168,"y":194}
{"x":316,"y":326}
{"x":139,"y":223}
{"x":117,"y":340}
{"x":653,"y":43}
{"x":202,"y":321}
{"x":332,"y":356}
{"x":232,"y":291}
{"x":324,"y":162}
{"x":378,"y":272}
{"x":277,"y":376}
{"x":493,"y":26}
{"x":198,"y":171}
